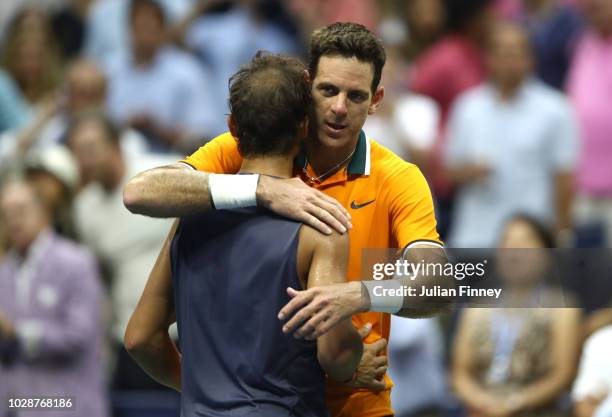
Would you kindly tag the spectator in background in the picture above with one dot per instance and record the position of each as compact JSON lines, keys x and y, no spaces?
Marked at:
{"x":13,"y":109}
{"x":554,"y":29}
{"x":84,"y":88}
{"x":512,"y":146}
{"x":108,"y":28}
{"x":70,"y":27}
{"x":418,"y":374}
{"x":405,"y":123}
{"x":517,"y":360}
{"x":126,"y":245}
{"x":210,"y":31}
{"x":53,"y":174}
{"x":451,"y":66}
{"x":513,"y":9}
{"x":31,"y":56}
{"x":51,"y":328}
{"x":8,"y":9}
{"x":592,"y":391}
{"x":426,"y":20}
{"x":158,"y":89}
{"x":317,"y":13}
{"x":590,"y":89}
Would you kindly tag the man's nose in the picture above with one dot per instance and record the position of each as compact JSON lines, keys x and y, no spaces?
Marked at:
{"x":339,"y":107}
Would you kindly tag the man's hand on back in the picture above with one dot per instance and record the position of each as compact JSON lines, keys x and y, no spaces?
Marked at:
{"x":373,"y":366}
{"x":314,"y":311}
{"x":293,"y":199}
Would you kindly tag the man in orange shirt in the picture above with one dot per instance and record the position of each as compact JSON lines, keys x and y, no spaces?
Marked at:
{"x":389,"y":200}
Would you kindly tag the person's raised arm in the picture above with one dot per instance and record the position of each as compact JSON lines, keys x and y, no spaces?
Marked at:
{"x":146,"y":337}
{"x":168,"y":191}
{"x":202,"y":183}
{"x":339,"y":351}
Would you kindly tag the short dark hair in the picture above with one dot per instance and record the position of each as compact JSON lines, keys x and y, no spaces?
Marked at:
{"x":542,"y":230}
{"x":269,"y":98}
{"x":153,"y":4}
{"x":349,"y":40}
{"x":113,"y":133}
{"x":461,"y":12}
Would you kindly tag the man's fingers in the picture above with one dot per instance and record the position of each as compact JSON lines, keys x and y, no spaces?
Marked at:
{"x":312,"y":221}
{"x":335,"y":203}
{"x":323,"y":328}
{"x":336,"y":210}
{"x":376,"y":385}
{"x":325,"y":217}
{"x":379,"y":361}
{"x":365,"y":330}
{"x":380,"y":372}
{"x":311,"y":329}
{"x":299,"y":300}
{"x":379,"y":345}
{"x":298,"y":319}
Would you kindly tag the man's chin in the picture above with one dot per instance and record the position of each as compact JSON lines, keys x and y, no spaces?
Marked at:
{"x":333,"y":140}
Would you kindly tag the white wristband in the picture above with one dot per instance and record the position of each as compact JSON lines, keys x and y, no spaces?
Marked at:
{"x":233,"y":191}
{"x":385,"y":296}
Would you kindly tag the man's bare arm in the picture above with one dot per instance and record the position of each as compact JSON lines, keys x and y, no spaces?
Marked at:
{"x":146,"y":337}
{"x":417,"y":306}
{"x":177,"y":190}
{"x":339,"y":351}
{"x":316,"y":310}
{"x":168,"y":191}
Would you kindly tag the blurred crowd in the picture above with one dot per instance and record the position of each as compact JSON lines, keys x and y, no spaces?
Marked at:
{"x":505,"y":105}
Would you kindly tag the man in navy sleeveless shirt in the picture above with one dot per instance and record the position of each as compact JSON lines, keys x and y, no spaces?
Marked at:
{"x":231,"y":269}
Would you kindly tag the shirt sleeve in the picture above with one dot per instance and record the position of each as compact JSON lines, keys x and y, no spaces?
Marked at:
{"x":411,"y":207}
{"x":219,"y":156}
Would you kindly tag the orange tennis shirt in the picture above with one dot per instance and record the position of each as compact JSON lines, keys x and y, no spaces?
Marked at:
{"x":391,"y":207}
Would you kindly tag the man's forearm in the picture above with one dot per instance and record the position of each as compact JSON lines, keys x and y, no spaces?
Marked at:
{"x":340,"y":350}
{"x":160,"y":359}
{"x":169,"y":191}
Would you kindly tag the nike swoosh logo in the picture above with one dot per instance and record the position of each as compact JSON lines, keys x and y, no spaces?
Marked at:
{"x":356,"y":206}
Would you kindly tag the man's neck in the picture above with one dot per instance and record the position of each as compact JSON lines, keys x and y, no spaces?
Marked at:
{"x":143,"y":59}
{"x":275,"y":166}
{"x":43,"y":233}
{"x":507,"y":92}
{"x":324,"y":160}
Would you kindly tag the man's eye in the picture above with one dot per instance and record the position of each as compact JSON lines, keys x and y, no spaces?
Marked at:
{"x":328,"y":90}
{"x":357,"y":97}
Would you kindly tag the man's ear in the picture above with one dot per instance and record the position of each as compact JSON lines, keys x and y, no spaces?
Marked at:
{"x":377,"y":99}
{"x":231,"y":124}
{"x":306,"y":76}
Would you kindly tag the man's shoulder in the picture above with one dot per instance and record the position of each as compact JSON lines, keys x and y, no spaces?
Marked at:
{"x":548,"y":99}
{"x":311,"y":239}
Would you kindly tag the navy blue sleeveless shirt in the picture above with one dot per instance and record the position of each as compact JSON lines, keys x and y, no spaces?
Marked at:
{"x":230,"y":272}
